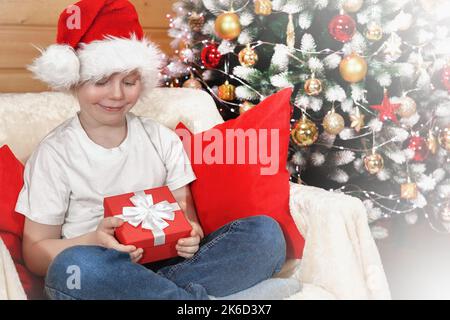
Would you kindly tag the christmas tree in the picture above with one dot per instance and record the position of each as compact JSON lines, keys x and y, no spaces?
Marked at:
{"x":371,"y":85}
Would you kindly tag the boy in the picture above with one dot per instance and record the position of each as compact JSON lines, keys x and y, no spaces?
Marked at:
{"x":106,"y":150}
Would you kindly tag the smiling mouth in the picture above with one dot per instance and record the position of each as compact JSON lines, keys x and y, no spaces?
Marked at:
{"x":111,"y":109}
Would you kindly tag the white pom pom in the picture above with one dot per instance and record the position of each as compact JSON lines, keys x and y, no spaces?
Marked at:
{"x":58,"y":66}
{"x":280,"y":80}
{"x":244,"y":93}
{"x":308,"y":43}
{"x":226,"y":47}
{"x":379,"y":232}
{"x":317,"y":159}
{"x":411,"y":218}
{"x":335,"y":93}
{"x":305,"y":20}
{"x":332,"y":61}
{"x":339,"y":175}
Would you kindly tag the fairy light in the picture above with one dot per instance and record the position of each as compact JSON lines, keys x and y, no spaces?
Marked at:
{"x":354,"y":149}
{"x":376,"y":197}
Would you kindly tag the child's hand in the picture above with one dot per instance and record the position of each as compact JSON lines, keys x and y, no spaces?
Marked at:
{"x":105,"y":238}
{"x":187,"y":247}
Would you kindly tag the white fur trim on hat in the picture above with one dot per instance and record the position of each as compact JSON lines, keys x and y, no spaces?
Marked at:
{"x":101,"y":59}
{"x":97,"y":60}
{"x":58,"y":66}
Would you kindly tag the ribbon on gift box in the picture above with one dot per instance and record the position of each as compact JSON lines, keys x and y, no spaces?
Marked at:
{"x":151,"y":215}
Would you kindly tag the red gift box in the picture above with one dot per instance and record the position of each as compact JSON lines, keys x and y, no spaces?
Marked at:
{"x":146,"y":239}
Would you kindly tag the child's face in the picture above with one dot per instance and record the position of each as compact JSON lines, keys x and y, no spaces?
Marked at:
{"x":108,"y":100}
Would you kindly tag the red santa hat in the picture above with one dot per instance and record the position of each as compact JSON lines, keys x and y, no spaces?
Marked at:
{"x":97,"y":38}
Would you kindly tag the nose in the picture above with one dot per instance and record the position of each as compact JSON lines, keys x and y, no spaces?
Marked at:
{"x":117,"y":91}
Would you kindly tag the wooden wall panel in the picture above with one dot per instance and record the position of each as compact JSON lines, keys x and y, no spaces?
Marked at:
{"x":24,"y":23}
{"x":152,"y":13}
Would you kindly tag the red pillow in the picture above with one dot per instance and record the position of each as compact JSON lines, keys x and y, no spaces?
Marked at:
{"x":232,"y":189}
{"x":11,"y":222}
{"x":11,"y":182}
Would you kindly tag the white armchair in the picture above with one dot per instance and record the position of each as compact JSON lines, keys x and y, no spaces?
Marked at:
{"x":340,"y":258}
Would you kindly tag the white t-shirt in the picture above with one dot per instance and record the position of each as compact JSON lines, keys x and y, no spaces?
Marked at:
{"x":67,"y":177}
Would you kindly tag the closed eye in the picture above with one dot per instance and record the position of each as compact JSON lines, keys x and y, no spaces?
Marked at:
{"x":102,"y":82}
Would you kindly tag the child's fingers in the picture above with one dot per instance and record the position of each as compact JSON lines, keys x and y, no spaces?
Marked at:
{"x":185,"y":255}
{"x":191,"y":241}
{"x":135,"y":254}
{"x":112,"y":222}
{"x":190,"y":249}
{"x":139,"y":257}
{"x":120,"y":247}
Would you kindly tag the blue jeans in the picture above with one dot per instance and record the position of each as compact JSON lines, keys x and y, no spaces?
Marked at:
{"x":231,"y":259}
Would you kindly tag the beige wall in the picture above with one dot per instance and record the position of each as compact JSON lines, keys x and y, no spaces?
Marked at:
{"x":26,"y":22}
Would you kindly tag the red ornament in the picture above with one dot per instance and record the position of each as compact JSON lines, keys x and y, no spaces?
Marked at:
{"x":387,"y":109}
{"x":420,"y":148}
{"x":342,"y":28}
{"x":211,"y":56}
{"x":445,"y":77}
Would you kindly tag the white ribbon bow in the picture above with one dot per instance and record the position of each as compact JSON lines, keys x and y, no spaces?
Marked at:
{"x":150,"y":215}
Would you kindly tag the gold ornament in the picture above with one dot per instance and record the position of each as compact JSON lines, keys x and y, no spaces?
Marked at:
{"x":352,"y":5}
{"x":333,"y":122}
{"x":313,"y":86}
{"x":263,"y":7}
{"x":196,"y":22}
{"x":408,"y":191}
{"x":444,"y":138}
{"x":374,"y":31}
{"x":374,"y":162}
{"x":245,"y":106}
{"x":290,"y":33}
{"x":305,"y":132}
{"x":248,"y":56}
{"x":353,"y":68}
{"x":227,"y":26}
{"x":407,"y":108}
{"x":357,"y":119}
{"x":227,"y":91}
{"x":192,"y":83}
{"x":432,"y":143}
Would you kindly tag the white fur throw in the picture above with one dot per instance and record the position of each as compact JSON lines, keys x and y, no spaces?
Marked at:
{"x":340,"y":255}
{"x":10,"y":286}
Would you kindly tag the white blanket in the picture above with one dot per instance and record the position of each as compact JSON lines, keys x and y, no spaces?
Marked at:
{"x":340,"y":259}
{"x":10,"y":286}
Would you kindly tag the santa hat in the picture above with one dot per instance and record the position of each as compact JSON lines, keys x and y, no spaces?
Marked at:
{"x":97,"y":38}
